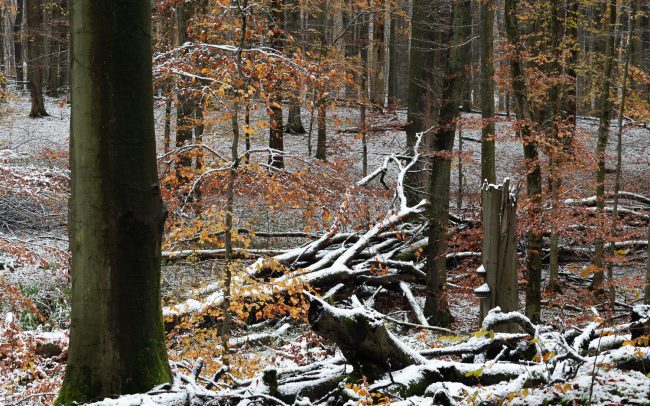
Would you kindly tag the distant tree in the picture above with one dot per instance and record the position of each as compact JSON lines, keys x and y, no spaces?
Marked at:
{"x":488,"y":171}
{"x":276,"y":127}
{"x":117,"y":341}
{"x":531,"y":154}
{"x":420,"y":93}
{"x":18,"y":42}
{"x":610,"y":11}
{"x":58,"y":38}
{"x":294,"y":119}
{"x":35,"y":56}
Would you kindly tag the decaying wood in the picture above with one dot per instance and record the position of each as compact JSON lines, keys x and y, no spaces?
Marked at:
{"x":362,"y":338}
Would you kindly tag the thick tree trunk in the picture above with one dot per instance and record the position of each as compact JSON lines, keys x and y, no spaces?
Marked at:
{"x":605,"y":111}
{"x":35,"y":57}
{"x":117,"y":341}
{"x":488,"y":169}
{"x":436,"y":307}
{"x":534,"y":172}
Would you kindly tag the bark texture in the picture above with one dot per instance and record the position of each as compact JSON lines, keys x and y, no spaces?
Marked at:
{"x":117,"y":342}
{"x":35,"y":56}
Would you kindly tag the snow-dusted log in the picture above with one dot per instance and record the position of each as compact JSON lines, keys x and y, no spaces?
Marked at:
{"x":218,"y":254}
{"x":417,"y":310}
{"x":362,"y":337}
{"x":260,"y":338}
{"x":591,"y":201}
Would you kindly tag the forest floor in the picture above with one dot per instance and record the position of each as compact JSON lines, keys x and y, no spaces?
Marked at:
{"x":35,"y":282}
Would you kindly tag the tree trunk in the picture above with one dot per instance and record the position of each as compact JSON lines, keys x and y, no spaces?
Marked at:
{"x":18,"y":43}
{"x":420,"y":93}
{"x":436,"y":307}
{"x":117,"y":341}
{"x":377,"y":76}
{"x":321,"y":141}
{"x":320,"y":94}
{"x":393,"y":62}
{"x":294,"y":120}
{"x":59,"y":31}
{"x":35,"y":57}
{"x":276,"y":126}
{"x":488,"y":170}
{"x":534,"y":172}
{"x":646,"y":296}
{"x":467,"y":56}
{"x":605,"y":111}
{"x":363,"y":91}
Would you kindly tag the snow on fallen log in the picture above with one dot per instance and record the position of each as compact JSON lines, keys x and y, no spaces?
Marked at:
{"x":260,"y":338}
{"x":417,"y":310}
{"x":362,"y":337}
{"x":591,"y":200}
{"x":219,"y":253}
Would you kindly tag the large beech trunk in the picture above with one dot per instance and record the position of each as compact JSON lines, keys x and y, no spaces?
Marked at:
{"x":117,"y":341}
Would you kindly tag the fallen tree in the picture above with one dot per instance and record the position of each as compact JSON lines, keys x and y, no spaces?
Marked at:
{"x":555,"y":368}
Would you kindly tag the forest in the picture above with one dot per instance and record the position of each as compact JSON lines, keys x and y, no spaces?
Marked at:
{"x":324,"y":202}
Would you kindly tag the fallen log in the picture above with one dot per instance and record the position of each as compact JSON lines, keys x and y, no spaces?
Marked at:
{"x":363,"y":339}
{"x":238,"y":253}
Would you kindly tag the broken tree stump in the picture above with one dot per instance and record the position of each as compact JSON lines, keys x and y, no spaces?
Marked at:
{"x":499,"y":251}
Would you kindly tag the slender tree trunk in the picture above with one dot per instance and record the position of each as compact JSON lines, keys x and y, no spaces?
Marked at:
{"x":321,"y":101}
{"x":393,"y":63}
{"x":294,"y":120}
{"x":363,"y":92}
{"x":18,"y":43}
{"x":117,"y":340}
{"x":59,"y":31}
{"x":377,"y":77}
{"x":420,"y":93}
{"x":646,"y":296}
{"x":603,"y":136}
{"x":467,"y":56}
{"x":35,"y":56}
{"x":3,"y":11}
{"x":321,"y":141}
{"x":619,"y":155}
{"x":555,"y":149}
{"x":276,"y":126}
{"x":533,"y":173}
{"x":459,"y":199}
{"x":230,"y":194}
{"x":488,"y":169}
